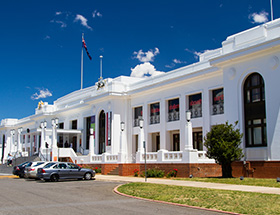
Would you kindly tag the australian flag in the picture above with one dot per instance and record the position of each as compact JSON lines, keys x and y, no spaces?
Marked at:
{"x":85,"y":46}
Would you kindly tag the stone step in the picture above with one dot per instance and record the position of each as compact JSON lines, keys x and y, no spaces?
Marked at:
{"x":114,"y":171}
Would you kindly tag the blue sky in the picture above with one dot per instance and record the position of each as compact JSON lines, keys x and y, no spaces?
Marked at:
{"x":40,"y":41}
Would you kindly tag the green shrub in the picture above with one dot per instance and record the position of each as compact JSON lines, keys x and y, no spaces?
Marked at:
{"x":172,"y":173}
{"x":154,"y":173}
{"x":97,"y":170}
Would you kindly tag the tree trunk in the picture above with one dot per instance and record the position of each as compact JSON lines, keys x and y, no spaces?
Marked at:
{"x":226,"y":170}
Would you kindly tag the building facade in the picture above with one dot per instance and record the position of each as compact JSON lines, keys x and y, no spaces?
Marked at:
{"x":102,"y":125}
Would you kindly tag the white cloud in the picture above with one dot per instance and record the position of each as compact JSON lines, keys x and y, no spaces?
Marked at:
{"x":61,"y":23}
{"x":47,"y":37}
{"x":146,"y":56}
{"x":259,"y":17}
{"x":83,"y":21}
{"x":170,"y":66}
{"x":144,"y":70}
{"x":178,"y":61}
{"x":43,"y":93}
{"x":58,"y":13}
{"x":96,"y":14}
{"x":195,"y":53}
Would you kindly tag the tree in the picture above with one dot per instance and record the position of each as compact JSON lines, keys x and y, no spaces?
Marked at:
{"x":222,"y":144}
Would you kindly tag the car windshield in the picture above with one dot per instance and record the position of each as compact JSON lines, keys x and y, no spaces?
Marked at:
{"x":39,"y":163}
{"x":28,"y":164}
{"x":22,"y":164}
{"x":48,"y":165}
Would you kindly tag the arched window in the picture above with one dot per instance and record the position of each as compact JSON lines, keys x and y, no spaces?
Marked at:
{"x":254,"y":109}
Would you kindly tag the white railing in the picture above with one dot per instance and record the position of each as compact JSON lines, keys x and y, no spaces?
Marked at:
{"x":155,"y":119}
{"x":173,"y":116}
{"x":150,"y":156}
{"x":202,"y":155}
{"x":217,"y":109}
{"x":173,"y":156}
{"x":196,"y":112}
{"x":111,"y":158}
{"x":97,"y":158}
{"x":162,"y":156}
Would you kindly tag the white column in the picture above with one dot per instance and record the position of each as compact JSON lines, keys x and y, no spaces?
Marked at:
{"x":12,"y":140}
{"x":163,"y":113}
{"x":122,"y":152}
{"x":141,"y":140}
{"x":91,"y":142}
{"x":43,"y":146}
{"x":188,"y":136}
{"x":54,"y":140}
{"x":19,"y":138}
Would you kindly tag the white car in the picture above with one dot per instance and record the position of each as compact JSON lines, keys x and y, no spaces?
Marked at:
{"x":31,"y":171}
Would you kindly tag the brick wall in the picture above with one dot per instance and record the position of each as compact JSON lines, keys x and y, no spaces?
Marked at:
{"x":127,"y":169}
{"x":256,"y":169}
{"x":184,"y":170}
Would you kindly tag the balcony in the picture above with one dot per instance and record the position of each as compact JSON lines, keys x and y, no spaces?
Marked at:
{"x":196,"y":112}
{"x":217,"y":109}
{"x":154,"y":119}
{"x":173,"y":116}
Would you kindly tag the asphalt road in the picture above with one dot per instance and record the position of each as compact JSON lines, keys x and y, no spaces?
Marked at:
{"x":30,"y":197}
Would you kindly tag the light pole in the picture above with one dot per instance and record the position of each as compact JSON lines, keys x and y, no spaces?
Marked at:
{"x":188,"y":132}
{"x":54,"y":139}
{"x":141,"y":124}
{"x":122,"y":129}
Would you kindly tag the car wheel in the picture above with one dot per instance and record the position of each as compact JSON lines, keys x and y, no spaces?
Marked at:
{"x":54,"y":178}
{"x":21,"y":175}
{"x":87,"y":176}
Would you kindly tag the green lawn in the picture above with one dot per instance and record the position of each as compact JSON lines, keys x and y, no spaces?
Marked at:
{"x":246,"y":181}
{"x":232,"y":201}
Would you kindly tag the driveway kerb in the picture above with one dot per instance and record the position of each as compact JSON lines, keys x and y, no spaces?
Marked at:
{"x":243,"y":188}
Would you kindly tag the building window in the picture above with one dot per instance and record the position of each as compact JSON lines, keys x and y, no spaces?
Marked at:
{"x":218,"y":101}
{"x":197,"y":140}
{"x":254,"y":109}
{"x":154,"y":113}
{"x":173,"y":110}
{"x":195,"y":105}
{"x":74,"y":124}
{"x":61,"y":125}
{"x":138,"y":114}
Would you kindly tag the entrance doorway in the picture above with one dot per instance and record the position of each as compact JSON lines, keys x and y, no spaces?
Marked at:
{"x":101,"y":139}
{"x":74,"y":143}
{"x":176,"y":142}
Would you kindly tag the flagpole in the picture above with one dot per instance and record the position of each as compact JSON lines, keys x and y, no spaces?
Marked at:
{"x":101,"y":66}
{"x":271,"y":8}
{"x":82,"y":66}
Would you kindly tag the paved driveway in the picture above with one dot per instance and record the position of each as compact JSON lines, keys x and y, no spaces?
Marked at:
{"x":19,"y":196}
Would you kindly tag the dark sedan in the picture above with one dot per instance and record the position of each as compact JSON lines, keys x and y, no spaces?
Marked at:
{"x":19,"y":169}
{"x":54,"y":171}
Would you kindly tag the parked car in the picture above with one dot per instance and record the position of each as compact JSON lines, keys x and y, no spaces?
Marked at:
{"x":53,"y":171}
{"x":31,"y":171}
{"x":19,"y":169}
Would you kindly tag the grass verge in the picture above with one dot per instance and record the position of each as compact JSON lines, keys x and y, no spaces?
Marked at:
{"x":232,"y":201}
{"x":247,"y":181}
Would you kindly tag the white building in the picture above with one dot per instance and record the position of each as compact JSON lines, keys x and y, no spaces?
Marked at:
{"x":237,"y":82}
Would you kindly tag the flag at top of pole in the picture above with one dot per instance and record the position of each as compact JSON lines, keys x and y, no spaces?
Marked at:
{"x":85,"y":47}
